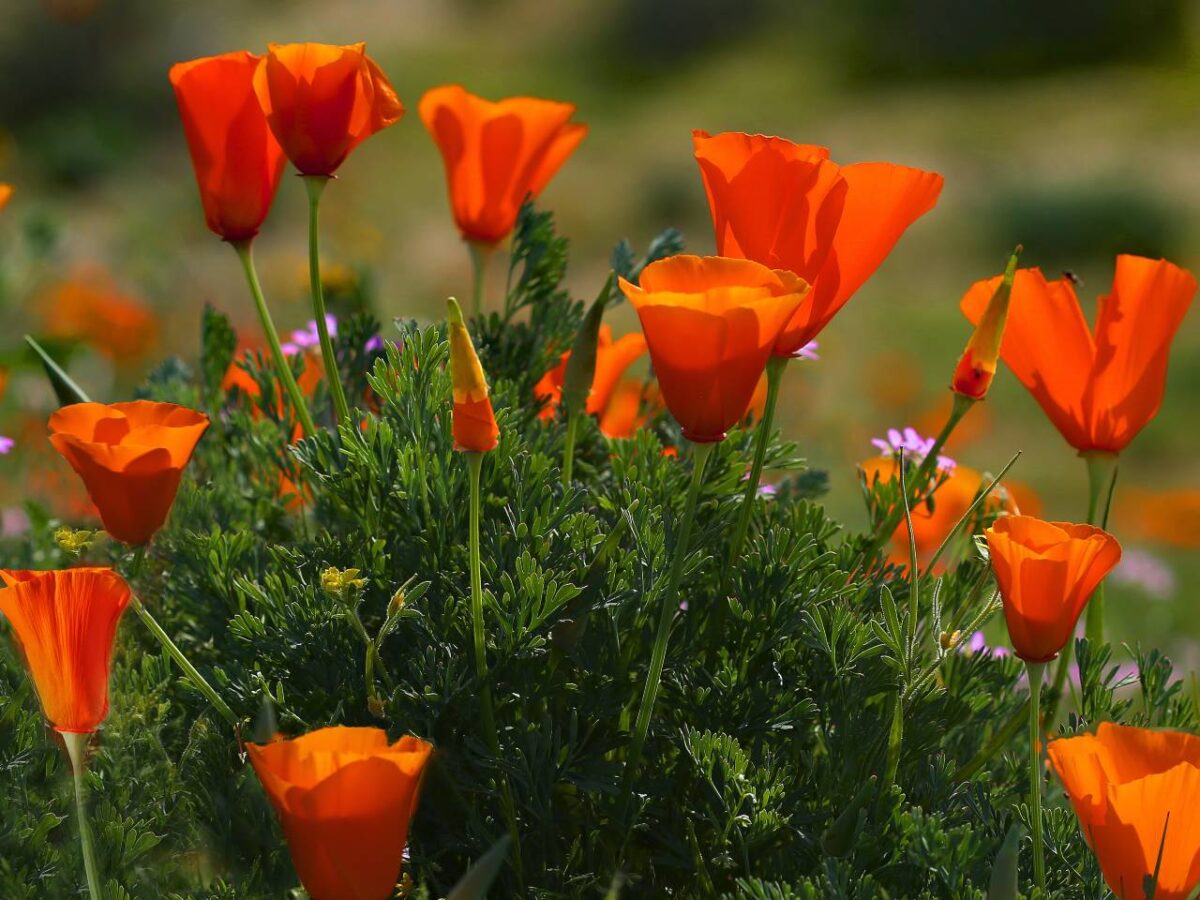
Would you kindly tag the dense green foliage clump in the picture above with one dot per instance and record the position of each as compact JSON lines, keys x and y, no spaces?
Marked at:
{"x":819,"y":733}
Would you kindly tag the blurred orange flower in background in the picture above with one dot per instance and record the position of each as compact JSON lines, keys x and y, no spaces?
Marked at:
{"x":1046,"y":573}
{"x":65,"y":621}
{"x":1168,"y":517}
{"x":6,"y":192}
{"x":345,"y":798}
{"x":1136,"y":790}
{"x":612,"y":359}
{"x":788,"y":206}
{"x":1099,"y":386}
{"x":710,"y":323}
{"x":497,"y":153}
{"x":322,"y":101}
{"x":90,"y":309}
{"x":474,"y":423}
{"x":237,"y":160}
{"x":131,"y":457}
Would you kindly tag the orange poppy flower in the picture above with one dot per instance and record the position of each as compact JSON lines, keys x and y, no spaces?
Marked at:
{"x":788,"y":206}
{"x":710,"y":323}
{"x":345,"y":798}
{"x":1167,"y":517}
{"x":1046,"y":573}
{"x":6,"y":192}
{"x":130,"y":457}
{"x":65,"y":621}
{"x":496,"y":153}
{"x":88,"y":307}
{"x":474,"y":422}
{"x":1099,"y":386}
{"x":632,"y":404}
{"x":237,"y":160}
{"x":322,"y":101}
{"x":1124,"y":784}
{"x":612,"y":359}
{"x":976,"y":368}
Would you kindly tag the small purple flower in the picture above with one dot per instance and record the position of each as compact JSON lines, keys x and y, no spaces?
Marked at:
{"x":808,"y":351}
{"x":13,"y":521}
{"x":1147,"y":573}
{"x":374,"y":344}
{"x":303,"y":338}
{"x":767,"y":490}
{"x":913,"y":444}
{"x":6,"y":444}
{"x":978,"y":644}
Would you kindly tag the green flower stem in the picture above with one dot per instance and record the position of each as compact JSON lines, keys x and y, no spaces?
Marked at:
{"x":480,"y":255}
{"x":281,"y":364}
{"x":775,"y":369}
{"x":373,"y":662}
{"x":1102,"y":468}
{"x":315,"y":185}
{"x":569,"y":447}
{"x":1035,"y":671}
{"x":76,"y":743}
{"x":700,"y":453}
{"x":184,"y":664}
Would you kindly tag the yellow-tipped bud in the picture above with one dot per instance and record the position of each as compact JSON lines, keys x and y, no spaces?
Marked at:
{"x":977,"y":366}
{"x":466,"y":373}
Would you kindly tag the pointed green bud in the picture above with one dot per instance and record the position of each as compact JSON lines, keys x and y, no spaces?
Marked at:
{"x":838,"y":839}
{"x":581,"y":364}
{"x":1003,"y":885}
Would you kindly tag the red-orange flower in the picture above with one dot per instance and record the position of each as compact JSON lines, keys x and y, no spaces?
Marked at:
{"x":1168,"y":517}
{"x":6,"y":192}
{"x":1129,"y":786}
{"x":612,"y":359}
{"x":632,"y":403}
{"x":1046,"y":573}
{"x":65,"y":621}
{"x":89,"y":307}
{"x":237,"y":160}
{"x":345,"y":798}
{"x":788,"y":206}
{"x":1098,"y":386}
{"x":496,"y":153}
{"x":710,"y":323}
{"x":322,"y":101}
{"x":474,"y":423}
{"x":130,"y":457}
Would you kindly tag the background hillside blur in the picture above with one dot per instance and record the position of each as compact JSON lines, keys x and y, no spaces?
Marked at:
{"x":1073,"y":128}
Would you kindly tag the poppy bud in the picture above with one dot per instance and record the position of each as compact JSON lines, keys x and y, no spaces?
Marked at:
{"x":474,"y":425}
{"x":977,"y":366}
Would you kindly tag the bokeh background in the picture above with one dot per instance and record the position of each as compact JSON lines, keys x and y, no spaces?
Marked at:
{"x":1073,"y":128}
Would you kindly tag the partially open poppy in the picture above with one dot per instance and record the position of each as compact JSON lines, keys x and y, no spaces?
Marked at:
{"x":237,"y":160}
{"x":710,"y":323}
{"x":474,"y":423}
{"x":66,"y":621}
{"x":322,"y":101}
{"x":1136,"y":791}
{"x":130,"y":457}
{"x":497,"y":153}
{"x":613,"y":357}
{"x":788,"y":206}
{"x":1046,"y":573}
{"x":345,"y":798}
{"x":1101,"y":385}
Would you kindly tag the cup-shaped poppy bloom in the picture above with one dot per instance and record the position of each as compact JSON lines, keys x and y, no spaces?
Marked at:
{"x":474,"y":422}
{"x":1101,"y":385}
{"x":613,"y":357}
{"x":345,"y":798}
{"x":322,"y":101}
{"x":1046,"y":573}
{"x":710,"y":324}
{"x":130,"y":457}
{"x":237,"y":160}
{"x":1124,"y":784}
{"x":496,"y":153}
{"x":788,"y":206}
{"x":66,"y":621}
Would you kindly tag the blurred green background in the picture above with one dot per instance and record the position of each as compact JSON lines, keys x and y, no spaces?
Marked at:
{"x":1072,"y":127}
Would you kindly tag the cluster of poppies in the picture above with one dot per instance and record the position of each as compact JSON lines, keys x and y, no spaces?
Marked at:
{"x":796,"y":236}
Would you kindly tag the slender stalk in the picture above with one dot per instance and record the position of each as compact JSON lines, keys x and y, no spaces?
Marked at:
{"x":264,"y":315}
{"x":700,"y":453}
{"x":1102,"y":469}
{"x":480,"y":256}
{"x":775,"y":368}
{"x":185,"y":665}
{"x":315,"y":185}
{"x":1035,"y":671}
{"x":373,"y":661}
{"x":76,"y":743}
{"x":569,"y":447}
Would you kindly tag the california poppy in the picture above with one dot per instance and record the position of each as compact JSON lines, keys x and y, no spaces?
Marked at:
{"x":1101,"y":385}
{"x":612,"y":359}
{"x":237,"y":160}
{"x":1136,"y":790}
{"x":89,"y":307}
{"x":1046,"y":573}
{"x":345,"y":798}
{"x":1167,"y":517}
{"x":65,"y":621}
{"x":976,"y":368}
{"x":130,"y":457}
{"x":322,"y":101}
{"x":788,"y":206}
{"x":710,"y":323}
{"x":474,"y":422}
{"x":6,"y":192}
{"x":497,"y":153}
